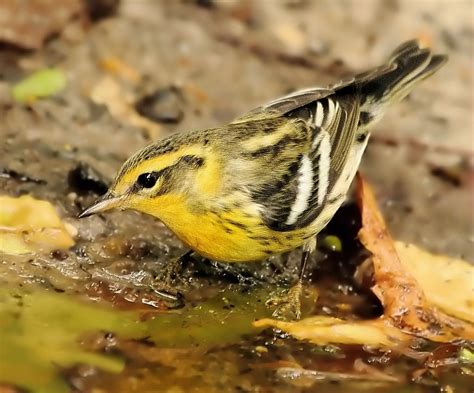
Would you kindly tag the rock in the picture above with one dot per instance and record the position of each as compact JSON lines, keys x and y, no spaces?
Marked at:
{"x":163,"y":106}
{"x":100,"y":9}
{"x":83,"y":179}
{"x":205,"y":3}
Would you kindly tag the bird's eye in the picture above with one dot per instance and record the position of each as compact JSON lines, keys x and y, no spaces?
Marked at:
{"x":147,"y":180}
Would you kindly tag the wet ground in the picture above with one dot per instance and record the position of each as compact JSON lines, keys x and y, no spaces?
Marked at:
{"x":205,"y":64}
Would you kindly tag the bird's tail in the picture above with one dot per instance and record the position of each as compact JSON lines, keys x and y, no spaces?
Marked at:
{"x":409,"y":64}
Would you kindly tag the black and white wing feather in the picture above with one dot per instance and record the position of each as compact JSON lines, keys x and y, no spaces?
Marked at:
{"x":325,"y":123}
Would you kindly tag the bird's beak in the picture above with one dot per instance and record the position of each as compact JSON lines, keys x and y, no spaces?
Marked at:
{"x":103,"y":204}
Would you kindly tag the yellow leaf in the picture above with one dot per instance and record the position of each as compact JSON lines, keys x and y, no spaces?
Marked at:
{"x":30,"y":225}
{"x":406,"y":305}
{"x":322,"y":330}
{"x":448,"y":282}
{"x":11,"y":243}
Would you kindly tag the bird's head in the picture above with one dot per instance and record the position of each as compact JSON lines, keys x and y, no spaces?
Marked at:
{"x":159,"y":178}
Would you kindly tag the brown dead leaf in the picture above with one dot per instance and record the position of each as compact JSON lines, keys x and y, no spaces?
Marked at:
{"x":404,"y":301}
{"x":30,"y":225}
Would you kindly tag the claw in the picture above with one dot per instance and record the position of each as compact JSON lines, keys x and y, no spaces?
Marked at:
{"x":165,"y":286}
{"x":289,"y":303}
{"x":172,"y":270}
{"x":174,"y":300}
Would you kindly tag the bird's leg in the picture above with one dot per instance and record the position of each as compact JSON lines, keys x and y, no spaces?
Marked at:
{"x":291,"y":301}
{"x":172,"y":270}
{"x":164,"y":282}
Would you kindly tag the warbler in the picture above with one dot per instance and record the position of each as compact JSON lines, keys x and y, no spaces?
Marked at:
{"x":270,"y":180}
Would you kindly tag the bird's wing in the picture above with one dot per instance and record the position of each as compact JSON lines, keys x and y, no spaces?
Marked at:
{"x":303,"y":173}
{"x":285,"y":104}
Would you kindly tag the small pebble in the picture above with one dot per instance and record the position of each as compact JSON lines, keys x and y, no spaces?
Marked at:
{"x":71,"y":229}
{"x":72,"y":196}
{"x":261,"y":349}
{"x":99,"y":9}
{"x":163,"y":105}
{"x":205,"y":3}
{"x":332,"y":243}
{"x":59,"y":255}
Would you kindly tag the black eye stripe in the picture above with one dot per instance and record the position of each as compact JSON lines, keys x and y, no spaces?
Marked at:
{"x":149,"y":179}
{"x":194,"y":161}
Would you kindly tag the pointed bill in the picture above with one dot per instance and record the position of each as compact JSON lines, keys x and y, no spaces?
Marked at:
{"x":103,"y":204}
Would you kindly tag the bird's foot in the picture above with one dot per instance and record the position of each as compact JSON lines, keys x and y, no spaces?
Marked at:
{"x":288,"y":304}
{"x":171,"y":272}
{"x":165,"y":284}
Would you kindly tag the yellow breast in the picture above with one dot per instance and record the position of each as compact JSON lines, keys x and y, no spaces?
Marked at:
{"x":231,"y":236}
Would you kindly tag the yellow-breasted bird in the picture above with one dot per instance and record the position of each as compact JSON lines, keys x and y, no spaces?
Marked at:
{"x":270,"y":180}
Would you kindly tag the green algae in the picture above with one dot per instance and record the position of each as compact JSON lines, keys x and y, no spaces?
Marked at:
{"x":40,"y":332}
